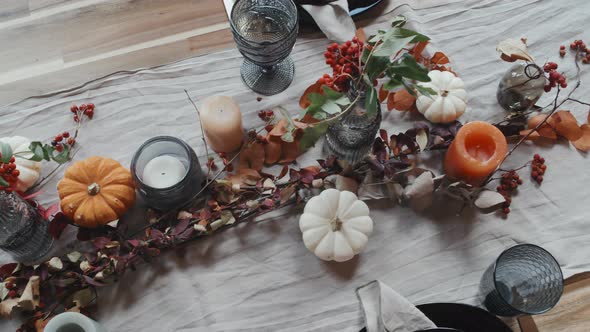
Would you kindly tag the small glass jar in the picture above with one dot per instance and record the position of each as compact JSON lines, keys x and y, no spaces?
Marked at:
{"x":170,"y":196}
{"x":23,"y":231}
{"x":521,"y":87}
{"x":352,"y":137}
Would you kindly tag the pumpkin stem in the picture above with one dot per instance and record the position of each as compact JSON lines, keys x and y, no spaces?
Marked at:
{"x":93,"y":189}
{"x":444,"y":93}
{"x":336,"y":224}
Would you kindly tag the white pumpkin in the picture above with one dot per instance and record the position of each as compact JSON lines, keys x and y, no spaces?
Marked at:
{"x":450,"y":100}
{"x":29,"y":170}
{"x":335,"y":225}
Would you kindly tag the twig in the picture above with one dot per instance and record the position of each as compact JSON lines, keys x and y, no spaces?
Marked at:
{"x":40,"y":183}
{"x":202,"y":131}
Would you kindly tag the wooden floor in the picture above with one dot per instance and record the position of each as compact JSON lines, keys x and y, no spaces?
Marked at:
{"x":48,"y":45}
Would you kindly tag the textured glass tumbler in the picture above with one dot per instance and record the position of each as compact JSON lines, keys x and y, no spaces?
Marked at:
{"x":265,"y":32}
{"x":177,"y":194}
{"x":525,"y":279}
{"x":353,"y":135}
{"x":521,"y":87}
{"x":23,"y":232}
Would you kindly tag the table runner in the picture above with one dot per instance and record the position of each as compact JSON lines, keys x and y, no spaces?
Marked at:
{"x":258,"y":276}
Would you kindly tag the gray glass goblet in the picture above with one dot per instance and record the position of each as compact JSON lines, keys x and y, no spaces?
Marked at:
{"x":265,"y":32}
{"x":525,"y":279}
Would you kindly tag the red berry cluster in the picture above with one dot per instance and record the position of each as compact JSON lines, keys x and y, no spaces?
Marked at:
{"x":266,"y":115}
{"x":554,"y":76}
{"x":508,"y":184}
{"x":60,"y":140}
{"x":345,"y":62}
{"x":9,"y":173}
{"x":228,"y":167}
{"x":12,"y":292}
{"x":579,"y":46}
{"x":82,"y":110}
{"x":538,"y":168}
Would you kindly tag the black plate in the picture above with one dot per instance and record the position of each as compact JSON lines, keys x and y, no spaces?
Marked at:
{"x":462,"y":317}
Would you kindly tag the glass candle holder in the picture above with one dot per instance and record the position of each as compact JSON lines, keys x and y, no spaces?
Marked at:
{"x":525,"y":279}
{"x":23,"y":232}
{"x":521,"y":87}
{"x":166,"y":172}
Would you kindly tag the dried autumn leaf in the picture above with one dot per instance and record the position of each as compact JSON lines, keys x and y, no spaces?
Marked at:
{"x":346,"y":184}
{"x":280,"y":128}
{"x":566,"y":125}
{"x":7,"y":306}
{"x":403,"y":100}
{"x":31,"y":295}
{"x":390,"y":101}
{"x":422,"y":139}
{"x":252,"y":156}
{"x":488,"y":199}
{"x":304,"y":102}
{"x":439,"y":58}
{"x":272,"y":149}
{"x":545,"y":130}
{"x":361,"y":35}
{"x":417,"y":51}
{"x":383,"y":94}
{"x":583,"y":143}
{"x":40,"y":324}
{"x":244,"y":177}
{"x":290,"y":152}
{"x":514,"y":49}
{"x":420,"y":192}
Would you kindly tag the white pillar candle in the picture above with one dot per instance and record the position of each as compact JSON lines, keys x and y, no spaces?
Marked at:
{"x":73,"y":322}
{"x":163,"y":172}
{"x":222,"y":123}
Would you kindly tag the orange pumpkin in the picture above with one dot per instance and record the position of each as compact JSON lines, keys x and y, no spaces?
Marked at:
{"x":96,"y":191}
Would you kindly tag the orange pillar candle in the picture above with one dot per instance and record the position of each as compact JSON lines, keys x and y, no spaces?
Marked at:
{"x":222,"y":123}
{"x":477,"y":150}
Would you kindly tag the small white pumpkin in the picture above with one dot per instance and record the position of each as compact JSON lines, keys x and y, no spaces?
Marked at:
{"x":29,"y":170}
{"x":450,"y":100}
{"x":335,"y":225}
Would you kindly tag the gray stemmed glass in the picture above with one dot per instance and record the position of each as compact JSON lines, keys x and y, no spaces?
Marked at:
{"x":265,"y":32}
{"x":525,"y":279}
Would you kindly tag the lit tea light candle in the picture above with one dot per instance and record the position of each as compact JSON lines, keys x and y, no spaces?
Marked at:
{"x":163,"y":172}
{"x":476,"y":152}
{"x":222,"y":123}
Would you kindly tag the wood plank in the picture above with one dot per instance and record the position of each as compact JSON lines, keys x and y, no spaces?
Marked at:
{"x":572,"y":313}
{"x":77,"y":73}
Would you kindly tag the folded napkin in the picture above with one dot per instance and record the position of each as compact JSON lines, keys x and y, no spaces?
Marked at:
{"x":333,"y":19}
{"x":387,"y":311}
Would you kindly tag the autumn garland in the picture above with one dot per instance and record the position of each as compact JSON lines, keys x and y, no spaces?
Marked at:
{"x":68,"y":283}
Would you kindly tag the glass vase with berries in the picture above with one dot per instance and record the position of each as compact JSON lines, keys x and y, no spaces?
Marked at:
{"x":344,"y":104}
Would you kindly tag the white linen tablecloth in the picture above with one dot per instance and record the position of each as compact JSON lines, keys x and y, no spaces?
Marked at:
{"x":259,"y":276}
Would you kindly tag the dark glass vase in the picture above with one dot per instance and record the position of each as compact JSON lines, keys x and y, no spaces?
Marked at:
{"x":23,"y":231}
{"x":521,"y":87}
{"x":351,"y":138}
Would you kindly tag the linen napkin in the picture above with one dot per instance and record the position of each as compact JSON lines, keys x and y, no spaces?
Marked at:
{"x":333,"y":19}
{"x":387,"y":311}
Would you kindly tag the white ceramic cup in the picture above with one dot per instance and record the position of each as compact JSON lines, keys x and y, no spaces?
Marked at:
{"x":73,"y":322}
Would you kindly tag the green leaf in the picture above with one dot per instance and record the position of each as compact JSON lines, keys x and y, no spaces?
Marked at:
{"x":376,"y":66}
{"x":342,"y":101}
{"x":6,"y":151}
{"x":316,"y":99}
{"x":409,"y":68}
{"x":331,"y":94}
{"x":36,"y":149}
{"x":371,"y":100}
{"x":62,"y":157}
{"x":391,"y":44}
{"x":399,"y":21}
{"x":312,"y":134}
{"x":403,"y":33}
{"x":409,"y":88}
{"x":331,"y":107}
{"x":3,"y":183}
{"x":365,"y":55}
{"x":392,"y":84}
{"x":424,"y":90}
